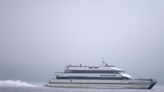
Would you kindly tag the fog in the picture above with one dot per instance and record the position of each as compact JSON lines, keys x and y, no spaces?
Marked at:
{"x":40,"y":37}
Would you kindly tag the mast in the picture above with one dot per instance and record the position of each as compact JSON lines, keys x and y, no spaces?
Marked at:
{"x":105,"y":64}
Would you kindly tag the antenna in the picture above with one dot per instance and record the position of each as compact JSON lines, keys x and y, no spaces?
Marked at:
{"x":103,"y":62}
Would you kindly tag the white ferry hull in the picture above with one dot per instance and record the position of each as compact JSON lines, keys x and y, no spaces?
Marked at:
{"x":110,"y":84}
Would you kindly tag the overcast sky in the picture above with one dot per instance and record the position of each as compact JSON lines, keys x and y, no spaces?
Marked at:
{"x":40,"y":37}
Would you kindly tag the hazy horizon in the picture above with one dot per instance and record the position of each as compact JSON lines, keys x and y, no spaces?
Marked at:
{"x":40,"y":37}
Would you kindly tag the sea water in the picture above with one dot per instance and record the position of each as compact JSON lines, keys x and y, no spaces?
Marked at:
{"x":19,"y":86}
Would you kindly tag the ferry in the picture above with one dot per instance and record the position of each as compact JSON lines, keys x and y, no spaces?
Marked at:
{"x":101,"y":76}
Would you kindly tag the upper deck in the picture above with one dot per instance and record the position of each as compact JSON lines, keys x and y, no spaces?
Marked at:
{"x":92,"y":69}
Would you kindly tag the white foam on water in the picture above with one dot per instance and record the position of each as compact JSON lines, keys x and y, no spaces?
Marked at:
{"x":15,"y":83}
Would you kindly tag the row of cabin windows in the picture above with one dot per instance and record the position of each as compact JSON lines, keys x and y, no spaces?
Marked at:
{"x":91,"y":71}
{"x":83,"y":77}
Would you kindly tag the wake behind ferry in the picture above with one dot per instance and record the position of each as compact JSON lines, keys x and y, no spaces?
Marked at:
{"x":104,"y":76}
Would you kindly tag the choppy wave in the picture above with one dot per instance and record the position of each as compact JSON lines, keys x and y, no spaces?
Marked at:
{"x":15,"y":83}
